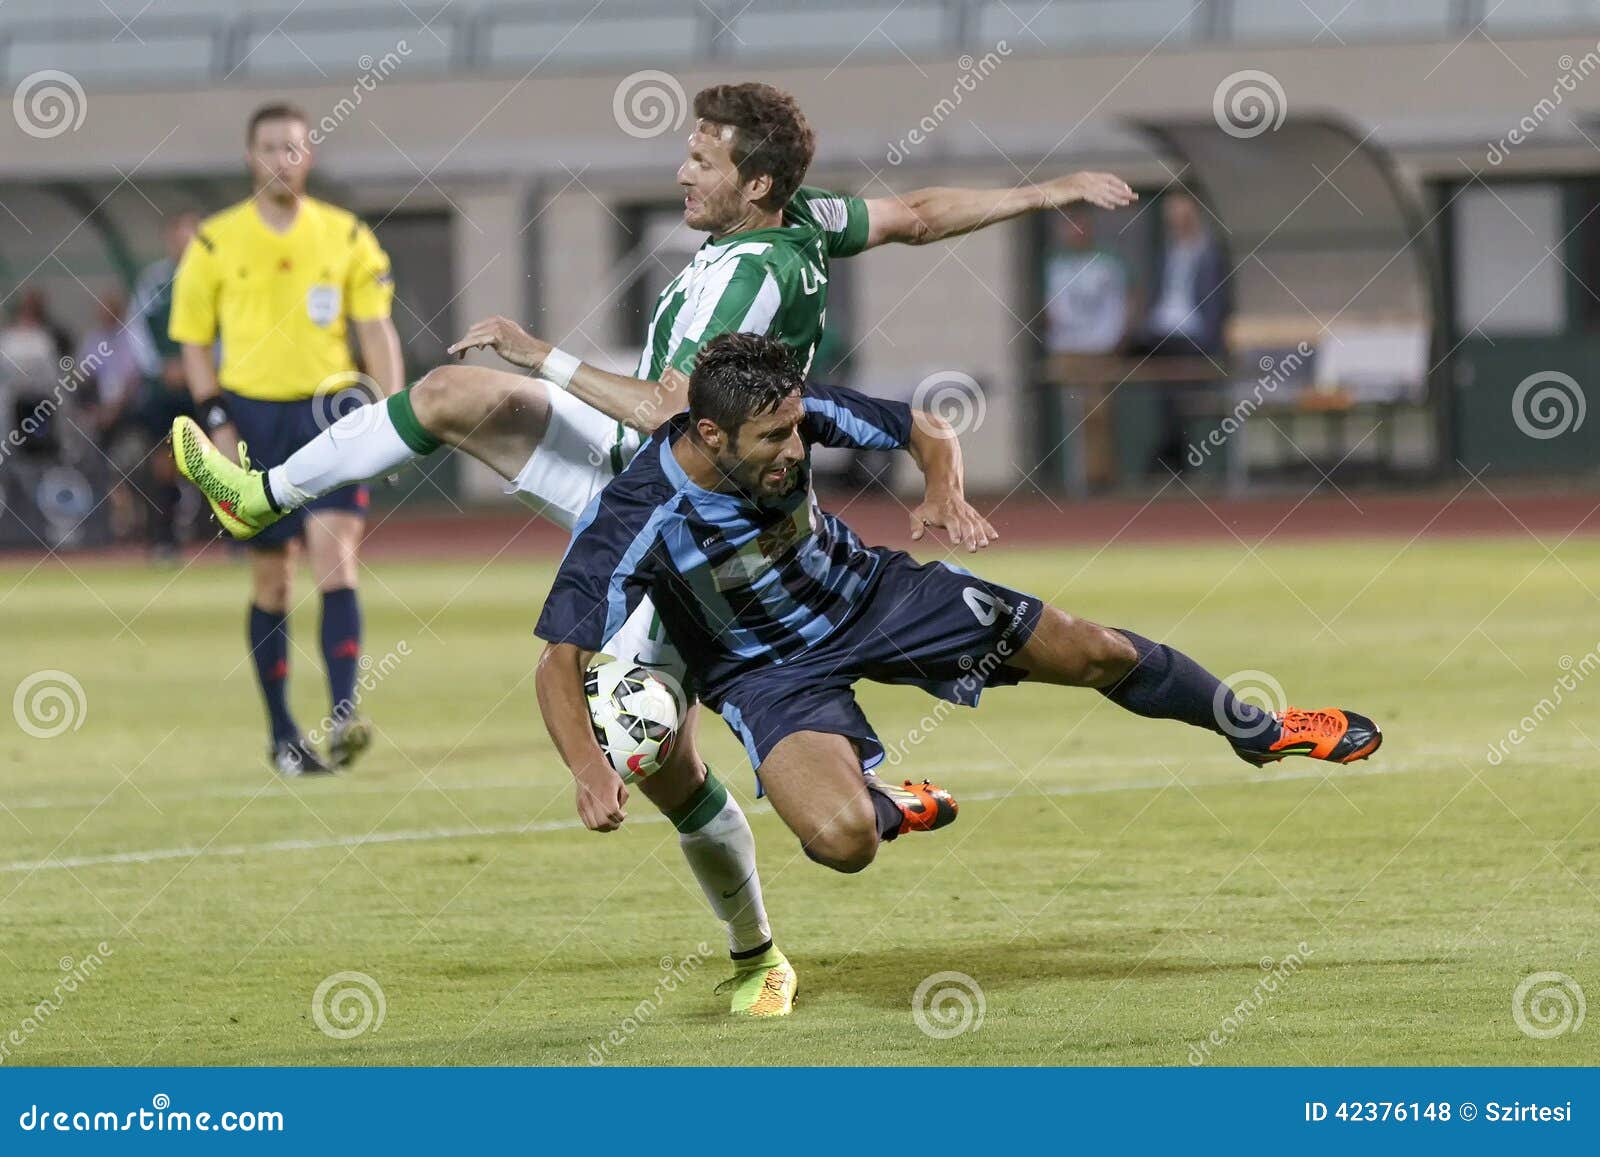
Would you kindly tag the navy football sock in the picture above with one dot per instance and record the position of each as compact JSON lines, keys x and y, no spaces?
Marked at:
{"x":889,"y":817}
{"x":269,"y":648}
{"x":1167,"y":684}
{"x":341,"y":648}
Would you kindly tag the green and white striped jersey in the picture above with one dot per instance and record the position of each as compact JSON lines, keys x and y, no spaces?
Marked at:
{"x":769,"y":281}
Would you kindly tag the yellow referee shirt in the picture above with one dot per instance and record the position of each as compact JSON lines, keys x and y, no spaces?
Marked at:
{"x":280,"y":300}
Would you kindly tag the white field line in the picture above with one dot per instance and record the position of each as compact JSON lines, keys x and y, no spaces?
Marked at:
{"x":341,"y":788}
{"x":1424,"y":762}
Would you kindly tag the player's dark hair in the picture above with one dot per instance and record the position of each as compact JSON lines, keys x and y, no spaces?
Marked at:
{"x":276,"y":111}
{"x":739,"y":376}
{"x":770,"y":135}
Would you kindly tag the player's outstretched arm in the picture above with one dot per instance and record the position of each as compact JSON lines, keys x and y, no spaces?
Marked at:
{"x":937,"y":452}
{"x":926,"y":215}
{"x":602,"y":796}
{"x":637,"y":403}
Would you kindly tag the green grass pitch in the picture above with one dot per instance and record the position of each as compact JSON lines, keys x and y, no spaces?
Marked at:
{"x":1113,"y":886}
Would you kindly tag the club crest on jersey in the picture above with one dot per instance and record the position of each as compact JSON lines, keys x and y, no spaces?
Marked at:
{"x":759,"y":554}
{"x":322,"y":304}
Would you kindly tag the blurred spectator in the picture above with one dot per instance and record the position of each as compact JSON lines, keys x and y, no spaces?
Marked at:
{"x":167,"y":394}
{"x":117,"y":357}
{"x":1192,"y":304}
{"x":33,"y":299}
{"x":1088,"y":308}
{"x":28,"y":371}
{"x":1189,"y":314}
{"x":1088,"y":289}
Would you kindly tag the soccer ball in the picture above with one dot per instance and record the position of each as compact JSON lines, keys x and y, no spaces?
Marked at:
{"x":636,"y":713}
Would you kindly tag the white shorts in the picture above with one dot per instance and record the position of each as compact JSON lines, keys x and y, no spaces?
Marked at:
{"x":582,"y":449}
{"x":643,"y":642}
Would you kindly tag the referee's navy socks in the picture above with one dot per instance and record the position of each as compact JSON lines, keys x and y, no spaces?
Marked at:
{"x":1167,"y":684}
{"x":269,"y":649}
{"x":341,"y":648}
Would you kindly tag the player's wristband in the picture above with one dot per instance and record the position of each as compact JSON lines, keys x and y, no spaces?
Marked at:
{"x":214,"y":414}
{"x":559,"y":366}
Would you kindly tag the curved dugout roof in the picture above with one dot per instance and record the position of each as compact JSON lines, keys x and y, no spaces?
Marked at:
{"x":1314,"y":219}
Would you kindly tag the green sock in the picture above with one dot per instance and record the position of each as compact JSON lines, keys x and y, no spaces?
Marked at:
{"x":700,"y":808}
{"x":406,"y":425}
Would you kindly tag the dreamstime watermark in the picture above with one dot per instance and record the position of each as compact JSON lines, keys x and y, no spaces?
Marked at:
{"x":948,"y":1004}
{"x":48,"y":103}
{"x":987,"y":608}
{"x":649,"y":103}
{"x":347,"y":1004}
{"x":1252,"y":689}
{"x":1248,"y":103}
{"x":1277,"y":973}
{"x":160,"y":1117}
{"x":1274,"y":372}
{"x":348,"y":392}
{"x":1547,"y":1005}
{"x":973,"y":681}
{"x":1576,"y":671}
{"x":973,"y":72}
{"x":953,"y":396}
{"x":674,"y":972}
{"x":1572,"y":71}
{"x":1548,"y":404}
{"x":373,"y":672}
{"x":74,"y":974}
{"x":74,"y":372}
{"x":373,"y":72}
{"x":49,"y":703}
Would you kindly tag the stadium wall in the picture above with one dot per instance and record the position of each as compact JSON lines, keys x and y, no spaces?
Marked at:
{"x":532,"y":169}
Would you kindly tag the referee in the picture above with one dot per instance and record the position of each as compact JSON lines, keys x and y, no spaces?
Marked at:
{"x":275,"y":278}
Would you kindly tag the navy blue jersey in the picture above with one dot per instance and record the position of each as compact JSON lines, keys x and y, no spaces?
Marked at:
{"x":737,"y":582}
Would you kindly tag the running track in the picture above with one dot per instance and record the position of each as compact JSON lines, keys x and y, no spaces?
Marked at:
{"x":1464,"y":510}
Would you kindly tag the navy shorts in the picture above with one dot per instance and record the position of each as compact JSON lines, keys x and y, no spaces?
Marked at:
{"x":930,"y":625}
{"x":274,"y":430}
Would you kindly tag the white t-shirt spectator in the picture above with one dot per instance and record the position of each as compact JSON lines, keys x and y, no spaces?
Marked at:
{"x":27,"y":361}
{"x":1087,"y":304}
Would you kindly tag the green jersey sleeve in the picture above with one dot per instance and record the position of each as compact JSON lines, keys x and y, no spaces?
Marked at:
{"x":840,"y":218}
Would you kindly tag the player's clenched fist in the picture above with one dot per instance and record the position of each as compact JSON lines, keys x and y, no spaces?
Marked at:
{"x":602,"y":800}
{"x":506,"y":338}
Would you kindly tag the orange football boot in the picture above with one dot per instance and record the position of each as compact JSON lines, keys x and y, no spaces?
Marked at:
{"x":1331,"y":734}
{"x":923,"y":807}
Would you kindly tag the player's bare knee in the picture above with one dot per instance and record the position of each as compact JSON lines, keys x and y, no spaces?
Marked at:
{"x":454,"y":402}
{"x":845,"y":844}
{"x":443,"y":402}
{"x":1111,"y":655}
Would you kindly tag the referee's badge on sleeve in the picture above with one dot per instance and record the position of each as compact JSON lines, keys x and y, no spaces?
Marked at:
{"x":322,"y":304}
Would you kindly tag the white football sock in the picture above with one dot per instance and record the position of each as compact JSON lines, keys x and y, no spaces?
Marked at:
{"x":722,"y":855}
{"x":361,"y":445}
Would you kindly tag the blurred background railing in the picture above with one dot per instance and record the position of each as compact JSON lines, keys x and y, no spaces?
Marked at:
{"x":205,"y":41}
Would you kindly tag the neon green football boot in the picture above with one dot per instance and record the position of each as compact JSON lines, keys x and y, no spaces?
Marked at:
{"x":763,"y":986}
{"x":237,"y":494}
